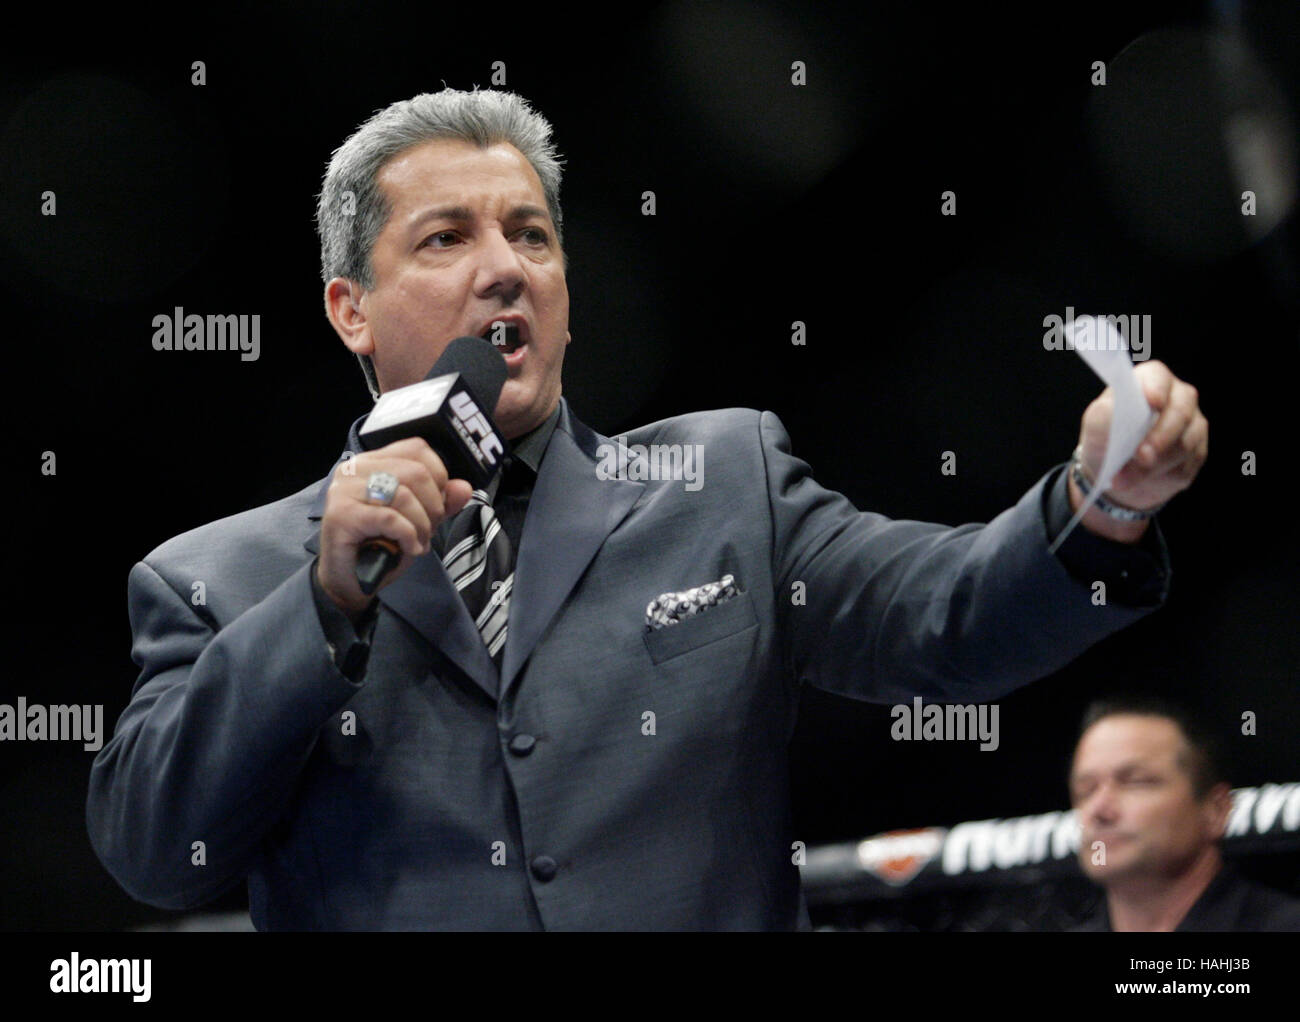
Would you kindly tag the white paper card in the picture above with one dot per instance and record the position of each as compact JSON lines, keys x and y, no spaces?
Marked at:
{"x":1104,"y":349}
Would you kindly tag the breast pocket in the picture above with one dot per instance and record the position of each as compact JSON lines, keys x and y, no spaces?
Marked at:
{"x":708,"y":626}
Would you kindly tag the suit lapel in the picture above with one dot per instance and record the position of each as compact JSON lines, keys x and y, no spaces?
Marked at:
{"x":425,"y":598}
{"x":570,"y":514}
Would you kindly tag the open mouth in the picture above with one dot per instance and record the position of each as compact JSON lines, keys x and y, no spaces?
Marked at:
{"x":503,"y":336}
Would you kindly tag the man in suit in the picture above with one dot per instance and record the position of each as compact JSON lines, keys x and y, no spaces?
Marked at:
{"x":603,"y":758}
{"x":1153,"y":803}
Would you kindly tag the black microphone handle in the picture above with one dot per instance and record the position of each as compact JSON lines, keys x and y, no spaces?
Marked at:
{"x":484,"y":372}
{"x":375,"y":559}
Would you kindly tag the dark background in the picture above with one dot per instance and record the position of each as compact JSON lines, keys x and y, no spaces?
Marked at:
{"x":775,"y":203}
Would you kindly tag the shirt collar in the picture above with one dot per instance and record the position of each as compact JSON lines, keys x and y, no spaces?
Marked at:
{"x":530,"y":447}
{"x":1219,"y":904}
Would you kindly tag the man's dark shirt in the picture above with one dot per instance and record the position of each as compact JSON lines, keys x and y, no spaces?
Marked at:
{"x":1230,"y":904}
{"x":1132,"y":572}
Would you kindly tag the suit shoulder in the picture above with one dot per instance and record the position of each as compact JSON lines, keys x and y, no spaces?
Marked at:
{"x":718,"y":422}
{"x":271,"y":525}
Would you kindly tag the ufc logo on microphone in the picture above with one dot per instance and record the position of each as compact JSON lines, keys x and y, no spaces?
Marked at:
{"x":474,"y":422}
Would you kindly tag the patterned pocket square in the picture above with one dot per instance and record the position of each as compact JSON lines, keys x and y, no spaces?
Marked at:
{"x":671,"y":608}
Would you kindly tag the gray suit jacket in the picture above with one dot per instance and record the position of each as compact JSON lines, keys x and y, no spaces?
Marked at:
{"x":431,"y":793}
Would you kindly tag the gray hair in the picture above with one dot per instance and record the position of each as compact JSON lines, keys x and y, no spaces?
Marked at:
{"x":352,"y":210}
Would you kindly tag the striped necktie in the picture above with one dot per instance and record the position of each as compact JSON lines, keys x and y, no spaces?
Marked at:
{"x":478,"y":563}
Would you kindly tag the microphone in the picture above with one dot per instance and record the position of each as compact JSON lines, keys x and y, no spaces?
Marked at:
{"x":451,"y":409}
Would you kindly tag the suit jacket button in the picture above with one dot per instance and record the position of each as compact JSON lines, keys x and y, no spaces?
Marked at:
{"x":544,"y":868}
{"x":522,"y":745}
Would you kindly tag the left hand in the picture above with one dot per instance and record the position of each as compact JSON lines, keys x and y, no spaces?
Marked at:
{"x":1170,"y":455}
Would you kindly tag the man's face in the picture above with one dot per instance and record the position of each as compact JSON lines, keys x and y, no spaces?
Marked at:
{"x":469,"y":242}
{"x":1131,"y":793}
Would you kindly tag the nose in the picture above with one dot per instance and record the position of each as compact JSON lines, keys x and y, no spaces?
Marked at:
{"x":499,"y":273}
{"x":1099,"y":808}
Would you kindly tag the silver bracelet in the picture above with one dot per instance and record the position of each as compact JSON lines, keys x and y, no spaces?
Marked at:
{"x":1117,"y":511}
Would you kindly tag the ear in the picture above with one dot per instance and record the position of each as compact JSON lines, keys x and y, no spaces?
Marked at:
{"x":1218,"y":804}
{"x":343,"y":309}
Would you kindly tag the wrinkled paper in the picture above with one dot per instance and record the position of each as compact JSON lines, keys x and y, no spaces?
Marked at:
{"x":1103,"y":347}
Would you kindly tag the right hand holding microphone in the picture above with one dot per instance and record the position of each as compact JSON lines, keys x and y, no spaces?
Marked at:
{"x":424,"y":497}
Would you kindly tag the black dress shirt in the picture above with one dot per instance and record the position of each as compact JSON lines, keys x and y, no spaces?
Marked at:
{"x":1230,"y":904}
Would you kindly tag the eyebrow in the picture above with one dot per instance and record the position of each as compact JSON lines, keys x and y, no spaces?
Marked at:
{"x":1127,"y":767}
{"x":464,"y":214}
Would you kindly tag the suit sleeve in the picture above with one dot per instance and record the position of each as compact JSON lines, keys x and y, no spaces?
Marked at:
{"x":892,"y":609}
{"x":211,"y":745}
